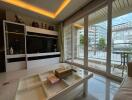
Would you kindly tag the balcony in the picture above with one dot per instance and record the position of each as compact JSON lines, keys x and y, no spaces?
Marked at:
{"x":97,"y":60}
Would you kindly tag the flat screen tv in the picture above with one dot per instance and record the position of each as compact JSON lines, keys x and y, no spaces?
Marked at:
{"x":41,"y":44}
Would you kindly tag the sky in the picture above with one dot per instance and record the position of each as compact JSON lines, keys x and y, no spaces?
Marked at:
{"x":122,"y":19}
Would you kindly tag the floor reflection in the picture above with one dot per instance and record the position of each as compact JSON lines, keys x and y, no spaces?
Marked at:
{"x":100,"y":88}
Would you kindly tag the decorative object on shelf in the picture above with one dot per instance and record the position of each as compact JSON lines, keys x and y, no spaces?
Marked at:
{"x":18,"y":19}
{"x":50,"y":27}
{"x":35,"y":24}
{"x":42,"y":25}
{"x":45,"y":26}
{"x":54,"y":28}
{"x":11,"y":51}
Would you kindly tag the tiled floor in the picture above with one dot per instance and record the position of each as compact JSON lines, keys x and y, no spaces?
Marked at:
{"x":100,"y":88}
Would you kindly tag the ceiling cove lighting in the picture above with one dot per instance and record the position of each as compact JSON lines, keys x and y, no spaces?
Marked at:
{"x":78,"y":25}
{"x":38,"y":10}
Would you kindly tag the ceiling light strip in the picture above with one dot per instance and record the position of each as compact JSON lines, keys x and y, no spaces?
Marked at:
{"x":64,"y":4}
{"x":29,"y":7}
{"x":78,"y":25}
{"x":32,"y":8}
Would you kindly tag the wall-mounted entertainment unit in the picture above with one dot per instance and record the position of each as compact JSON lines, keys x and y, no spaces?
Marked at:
{"x":29,"y":47}
{"x":47,"y":42}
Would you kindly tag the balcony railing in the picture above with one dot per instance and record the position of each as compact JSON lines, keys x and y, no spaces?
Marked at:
{"x":100,"y":55}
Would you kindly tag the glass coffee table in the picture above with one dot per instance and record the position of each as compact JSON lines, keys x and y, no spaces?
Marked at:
{"x":37,"y":87}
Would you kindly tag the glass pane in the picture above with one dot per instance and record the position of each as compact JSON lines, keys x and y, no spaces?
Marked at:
{"x":15,"y":38}
{"x":67,"y":43}
{"x":121,"y":48}
{"x":97,"y":39}
{"x":78,"y":41}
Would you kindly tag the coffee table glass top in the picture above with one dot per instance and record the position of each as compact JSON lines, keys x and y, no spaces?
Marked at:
{"x":41,"y":89}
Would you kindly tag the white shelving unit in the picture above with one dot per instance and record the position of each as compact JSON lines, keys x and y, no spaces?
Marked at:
{"x":20,"y":59}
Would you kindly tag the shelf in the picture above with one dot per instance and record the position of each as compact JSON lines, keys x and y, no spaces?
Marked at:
{"x":16,"y":55}
{"x":31,"y":55}
{"x":15,"y":33}
{"x":40,"y":36}
{"x":42,"y":31}
{"x":14,"y":27}
{"x":16,"y":42}
{"x":42,"y":54}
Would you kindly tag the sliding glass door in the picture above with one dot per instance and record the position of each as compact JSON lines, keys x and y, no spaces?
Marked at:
{"x":97,"y":39}
{"x":68,"y":43}
{"x":109,"y":45}
{"x":78,"y":41}
{"x":121,"y":48}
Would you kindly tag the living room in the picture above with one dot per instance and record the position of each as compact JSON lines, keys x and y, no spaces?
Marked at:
{"x":71,"y":49}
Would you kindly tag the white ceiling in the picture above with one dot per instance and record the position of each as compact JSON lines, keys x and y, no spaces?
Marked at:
{"x":50,"y":5}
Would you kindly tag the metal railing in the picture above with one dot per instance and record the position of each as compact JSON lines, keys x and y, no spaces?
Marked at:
{"x":101,"y":54}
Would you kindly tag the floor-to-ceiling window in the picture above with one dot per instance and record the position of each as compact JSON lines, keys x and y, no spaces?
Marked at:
{"x":78,"y":41}
{"x":67,"y":43}
{"x":121,"y":45}
{"x":97,"y":39}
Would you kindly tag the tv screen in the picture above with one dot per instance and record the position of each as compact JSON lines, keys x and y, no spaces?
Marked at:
{"x":41,"y":44}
